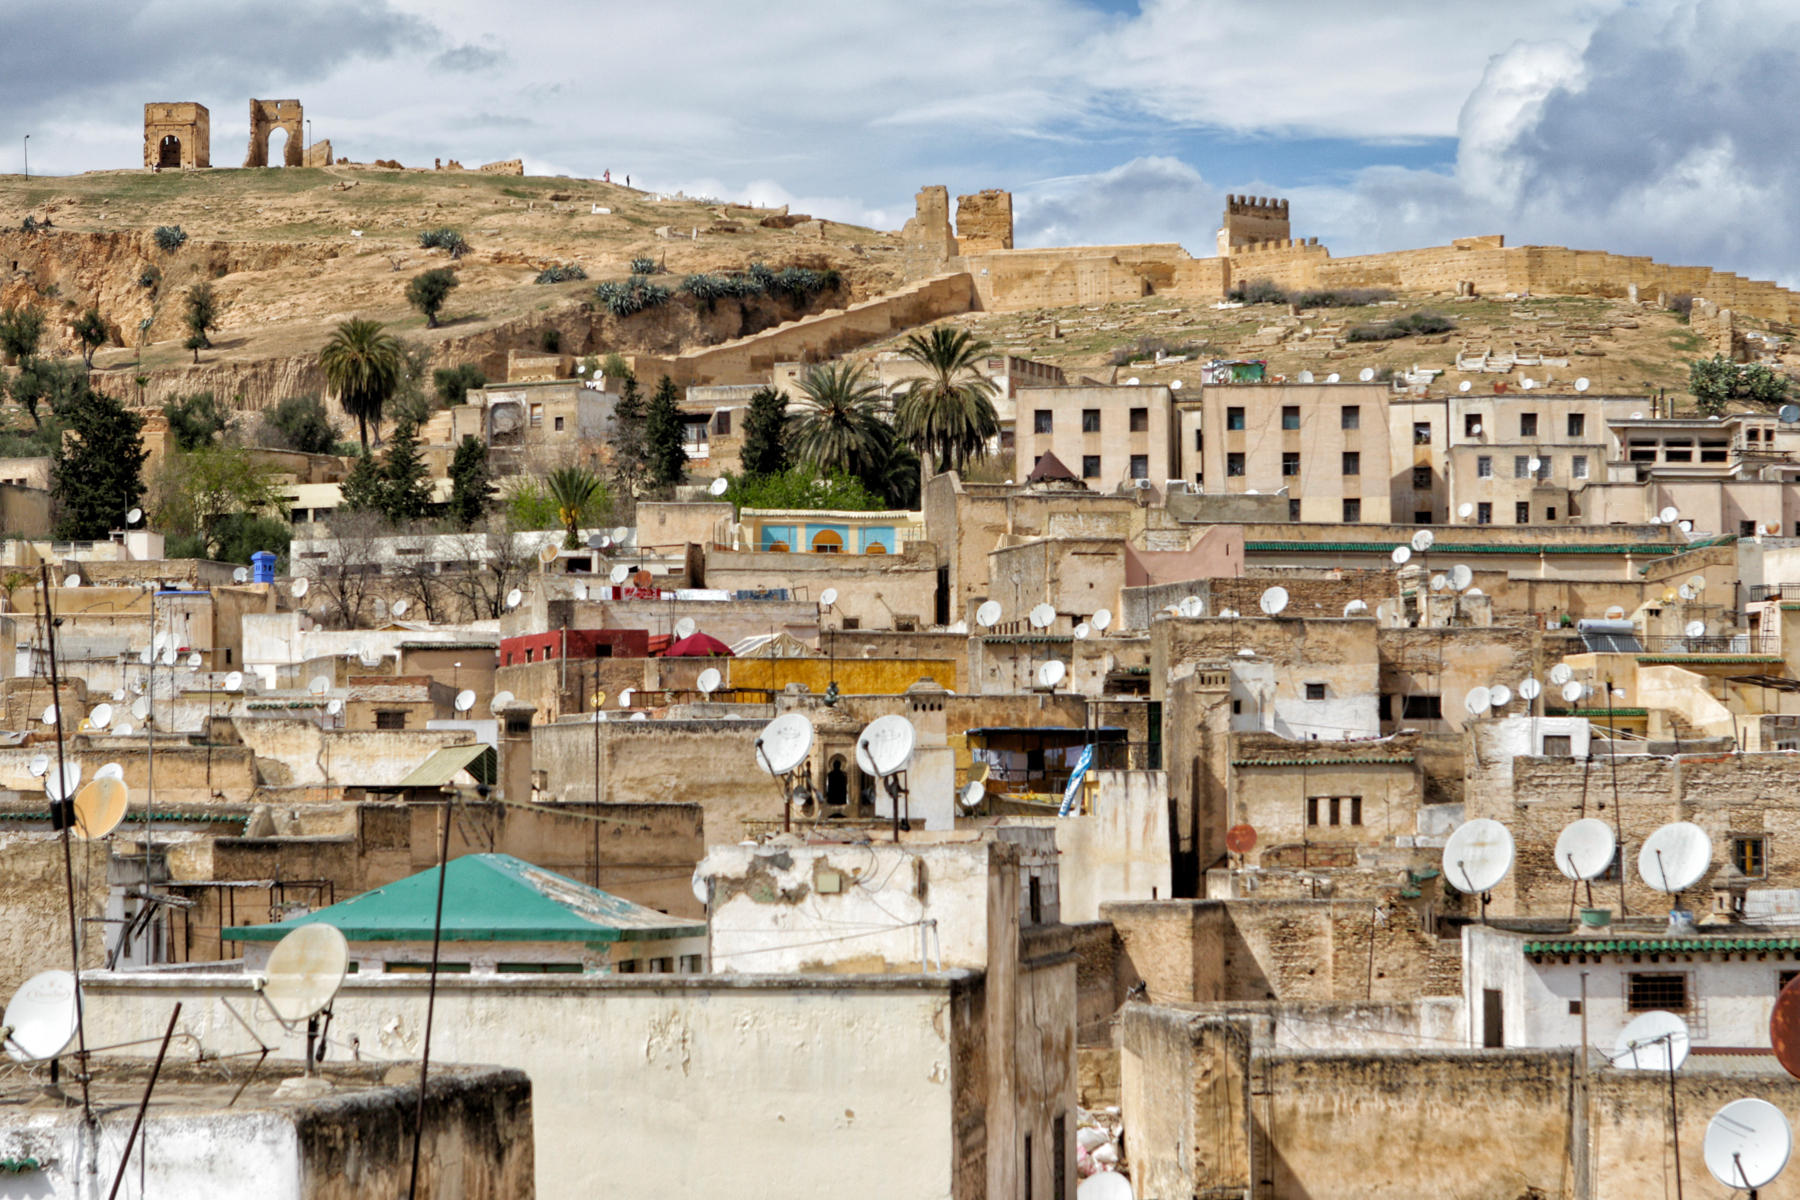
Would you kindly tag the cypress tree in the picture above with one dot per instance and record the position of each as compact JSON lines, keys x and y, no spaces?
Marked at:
{"x":471,"y":485}
{"x":628,"y":434}
{"x":667,"y":458}
{"x":407,"y":485}
{"x":765,"y":425}
{"x":98,"y":469}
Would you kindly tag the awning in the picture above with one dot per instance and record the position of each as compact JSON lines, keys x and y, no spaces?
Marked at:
{"x":444,"y":765}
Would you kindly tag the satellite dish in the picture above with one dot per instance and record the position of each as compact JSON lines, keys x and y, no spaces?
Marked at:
{"x":50,"y":714}
{"x":134,"y":516}
{"x":42,"y":1016}
{"x":1475,"y":428}
{"x":1685,"y":592}
{"x":101,"y":717}
{"x":1191,"y":606}
{"x":1042,"y":616}
{"x":1051,"y":673}
{"x":1465,"y":509}
{"x":71,"y":581}
{"x":502,"y":699}
{"x":305,"y":971}
{"x":625,"y":697}
{"x":685,"y":628}
{"x":1530,"y":688}
{"x":241,"y":575}
{"x":465,"y":700}
{"x":1102,"y":618}
{"x":581,"y":591}
{"x":111,"y":770}
{"x":1747,"y":1144}
{"x":828,"y":597}
{"x":1083,"y":630}
{"x":606,"y":541}
{"x":1240,"y":839}
{"x":1230,"y":614}
{"x":1461,"y":576}
{"x":1439,"y":582}
{"x":61,"y":785}
{"x":168,"y":656}
{"x":1573,"y":691}
{"x":1463,"y":386}
{"x":320,"y":685}
{"x":620,"y":533}
{"x":400,"y":607}
{"x":719,"y":486}
{"x":123,"y":729}
{"x":1132,"y":382}
{"x":709,"y":680}
{"x":619,"y":573}
{"x":1478,"y":855}
{"x":1306,"y":377}
{"x":1787,"y":414}
{"x":1422,"y":541}
{"x":140,"y":708}
{"x":513,"y":597}
{"x":118,"y":695}
{"x":1473,"y":592}
{"x":298,"y":588}
{"x":1500,"y":695}
{"x":193,"y":660}
{"x":1667,"y":516}
{"x":1656,"y":1041}
{"x":638,"y":716}
{"x":1356,"y":608}
{"x":1697,"y":582}
{"x":1366,"y":374}
{"x":1585,"y":848}
{"x":1615,"y":612}
{"x":1581,"y":385}
{"x":99,"y":807}
{"x":333,"y":707}
{"x":1694,"y":629}
{"x":548,"y":554}
{"x":1533,"y":463}
{"x":1687,"y":526}
{"x":1528,"y":383}
{"x":988,"y":615}
{"x":888,"y":744}
{"x":1477,"y":700}
{"x":1675,"y":857}
{"x":1273,"y":601}
{"x":1561,"y":673}
{"x":1332,"y":378}
{"x":973,"y":795}
{"x":1401,"y":555}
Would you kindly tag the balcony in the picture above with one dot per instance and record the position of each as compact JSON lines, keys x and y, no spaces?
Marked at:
{"x":1730,"y":643}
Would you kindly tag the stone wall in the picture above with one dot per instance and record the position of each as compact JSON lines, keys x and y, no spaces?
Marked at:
{"x":1251,"y":219}
{"x":185,"y":121}
{"x":266,"y":116}
{"x":984,"y":222}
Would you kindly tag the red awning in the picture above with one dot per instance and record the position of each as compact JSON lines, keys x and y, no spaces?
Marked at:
{"x":698,"y":645}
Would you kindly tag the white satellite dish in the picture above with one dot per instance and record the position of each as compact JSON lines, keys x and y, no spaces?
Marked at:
{"x":513,"y":597}
{"x":972,"y":795}
{"x":42,"y":1016}
{"x":619,"y":574}
{"x":1748,"y":1142}
{"x":685,"y":628}
{"x":61,"y":785}
{"x":298,"y":588}
{"x":1530,"y":688}
{"x":1461,"y":576}
{"x":465,"y":700}
{"x":638,"y":716}
{"x":1355,"y":608}
{"x":1332,"y":378}
{"x":101,"y":717}
{"x":785,"y":742}
{"x":111,"y":770}
{"x":168,"y":657}
{"x":581,"y":592}
{"x":1475,"y":429}
{"x":1132,"y":382}
{"x":709,"y":680}
{"x":1561,"y":673}
{"x":118,"y":695}
{"x":1042,"y":616}
{"x":1581,"y":385}
{"x":1175,"y":386}
{"x":625,"y":697}
{"x":140,"y":708}
{"x":1685,"y":592}
{"x":606,"y":541}
{"x":1500,"y":695}
{"x":1528,"y":383}
{"x":1305,"y":377}
{"x":1694,"y":629}
{"x":333,"y":707}
{"x":719,"y":486}
{"x":123,"y":729}
{"x":1463,"y":386}
{"x":1465,"y":509}
{"x":1585,"y":848}
{"x":620,"y":533}
{"x":1667,"y":516}
{"x":988,"y":615}
{"x":1655,"y":1041}
{"x":1439,"y":582}
{"x":241,"y":575}
{"x":828,"y":597}
{"x":1573,"y":691}
{"x":1083,"y":630}
{"x":1366,"y":374}
{"x":1687,"y":526}
{"x":1102,"y":619}
{"x":1697,"y":582}
{"x":1191,"y":606}
{"x":305,"y":971}
{"x":1615,"y":612}
{"x":1051,"y":673}
{"x":888,"y":743}
{"x":1230,"y":614}
{"x":134,"y":516}
{"x":71,"y":581}
{"x":1273,"y":601}
{"x":1401,"y":555}
{"x":49,"y":714}
{"x":1423,"y":540}
{"x":38,"y":765}
{"x":400,"y":607}
{"x":1675,"y":857}
{"x":1474,"y":591}
{"x":500,"y":701}
{"x":1533,"y":463}
{"x":1478,"y":855}
{"x":1477,"y":700}
{"x":193,"y":660}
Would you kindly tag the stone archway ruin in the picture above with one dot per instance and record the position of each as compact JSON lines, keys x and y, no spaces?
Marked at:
{"x":266,"y":116}
{"x":177,"y":133}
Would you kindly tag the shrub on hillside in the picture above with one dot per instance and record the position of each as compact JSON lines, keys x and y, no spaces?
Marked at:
{"x":169,"y":238}
{"x":562,"y":273}
{"x":1407,"y":326}
{"x":644,"y":266}
{"x":1257,"y":291}
{"x":1682,"y":304}
{"x":1341,"y":297}
{"x":629,"y":297}
{"x":444,"y":239}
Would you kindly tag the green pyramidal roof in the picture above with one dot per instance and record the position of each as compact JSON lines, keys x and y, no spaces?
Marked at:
{"x":487,"y":898}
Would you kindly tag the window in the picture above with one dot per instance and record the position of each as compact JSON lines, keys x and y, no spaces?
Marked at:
{"x":1746,"y":528}
{"x":852,"y":623}
{"x":1421,"y":477}
{"x":1234,"y":418}
{"x":1749,"y":854}
{"x":1421,"y":516}
{"x":1340,"y":810}
{"x":722,"y":421}
{"x":1422,"y":433}
{"x":1783,"y":979}
{"x":1090,"y":466}
{"x":1577,"y":425}
{"x":1471,"y":424}
{"x":1090,"y":420}
{"x":559,"y":424}
{"x":1234,"y":463}
{"x":1521,"y":466}
{"x":1574,"y":1008}
{"x":1199,"y":441}
{"x":537,"y":415}
{"x":1648,"y":992}
{"x":1681,"y":450}
{"x":537,"y":968}
{"x":1140,"y":420}
{"x":691,"y":964}
{"x":1527,"y":425}
{"x":1036,"y":906}
{"x":1550,"y":513}
{"x":1493,"y":1022}
{"x":1290,"y":416}
{"x":828,"y":541}
{"x":1352,"y":510}
{"x":1294,"y":508}
{"x":1059,"y":1140}
{"x":1522,"y":512}
{"x":1578,"y":466}
{"x":662,"y":966}
{"x":1312,"y":809}
{"x":1315,"y":691}
{"x":1558,"y":745}
{"x":1350,"y":417}
{"x":1290,"y":462}
{"x":1043,"y":421}
{"x":1422,"y":708}
{"x":1352,"y":463}
{"x":1140,"y":466}
{"x":1484,"y":466}
{"x":390,"y":719}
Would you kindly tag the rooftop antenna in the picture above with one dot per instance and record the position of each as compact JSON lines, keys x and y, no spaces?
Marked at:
{"x":1581,"y":385}
{"x":1464,"y":386}
{"x":1102,"y":619}
{"x":988,"y":614}
{"x":782,"y":749}
{"x":1464,"y":510}
{"x":1042,"y":616}
{"x":1477,"y":857}
{"x":719,"y":486}
{"x":1668,"y":515}
{"x":709,"y":681}
{"x":1240,"y":840}
{"x":1499,"y":695}
{"x":297,"y":589}
{"x":1748,"y":1143}
{"x":619,"y":574}
{"x":1584,"y":849}
{"x":1401,"y":555}
{"x":828,"y":597}
{"x":1529,"y":690}
{"x":42,"y":1017}
{"x":1423,"y":540}
{"x":1050,"y":674}
{"x":885,"y":750}
{"x":1657,"y":1041}
{"x":241,"y":575}
{"x":1787,"y":414}
{"x":1461,"y":576}
{"x":100,"y":806}
{"x":500,"y":701}
{"x":465,"y":700}
{"x":1191,"y":606}
{"x":513,"y":597}
{"x":1355,"y":608}
{"x":1332,"y":378}
{"x":1305,"y":377}
{"x":1673,"y":859}
{"x":685,"y":628}
{"x":971,"y":796}
{"x":400,"y":607}
{"x":1083,"y":631}
{"x":1366,"y":374}
{"x":134,"y":516}
{"x":1273,"y":601}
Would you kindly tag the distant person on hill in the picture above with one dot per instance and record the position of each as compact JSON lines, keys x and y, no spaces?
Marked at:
{"x":606,"y":175}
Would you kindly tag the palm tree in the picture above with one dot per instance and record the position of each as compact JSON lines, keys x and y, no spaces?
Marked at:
{"x":573,"y":489}
{"x":949,"y":413}
{"x":362,"y":365}
{"x":837,"y":424}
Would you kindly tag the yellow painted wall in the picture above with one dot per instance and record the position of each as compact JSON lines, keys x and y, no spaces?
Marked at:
{"x":855,"y":676}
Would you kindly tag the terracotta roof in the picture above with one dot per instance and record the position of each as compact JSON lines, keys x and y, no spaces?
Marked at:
{"x":1050,"y":467}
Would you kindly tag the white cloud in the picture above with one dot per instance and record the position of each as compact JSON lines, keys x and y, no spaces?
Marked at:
{"x":1150,"y":199}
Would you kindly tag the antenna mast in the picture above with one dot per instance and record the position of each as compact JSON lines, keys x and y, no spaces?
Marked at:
{"x":62,"y":813}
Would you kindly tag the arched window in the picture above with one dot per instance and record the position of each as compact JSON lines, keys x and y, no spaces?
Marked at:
{"x":837,"y":784}
{"x":874,"y":548}
{"x":777,"y":547}
{"x":168,"y":153}
{"x":828,"y":541}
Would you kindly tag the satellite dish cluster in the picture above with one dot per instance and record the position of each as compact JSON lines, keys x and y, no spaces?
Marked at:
{"x":884,"y":750}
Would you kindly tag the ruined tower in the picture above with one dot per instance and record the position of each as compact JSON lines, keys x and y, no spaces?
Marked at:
{"x":177,"y":133}
{"x":1250,"y":219}
{"x":266,"y":116}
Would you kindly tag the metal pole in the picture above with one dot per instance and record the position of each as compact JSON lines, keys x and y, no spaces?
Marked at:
{"x":28,"y":156}
{"x":437,"y":937}
{"x":68,"y":803}
{"x":594,"y":699}
{"x":1674,"y":1117}
{"x":1612,"y":754}
{"x":150,"y":760}
{"x":138,"y":1121}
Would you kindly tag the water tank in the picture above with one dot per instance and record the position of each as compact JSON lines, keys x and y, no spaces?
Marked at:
{"x":262,"y":567}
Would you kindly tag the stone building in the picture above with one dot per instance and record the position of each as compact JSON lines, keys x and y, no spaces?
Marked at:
{"x":177,"y":134}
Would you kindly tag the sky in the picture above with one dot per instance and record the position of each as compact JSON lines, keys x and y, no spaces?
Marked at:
{"x":1656,"y":127}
